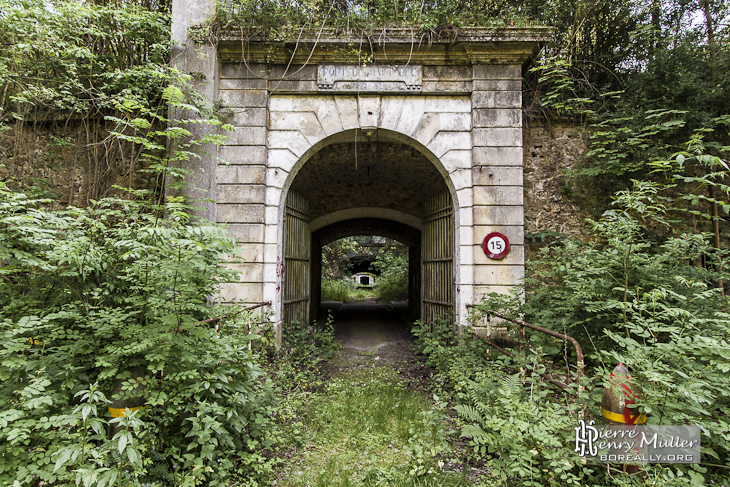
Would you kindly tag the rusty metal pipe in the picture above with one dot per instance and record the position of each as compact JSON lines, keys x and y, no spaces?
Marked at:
{"x":218,"y":318}
{"x":578,"y":351}
{"x":544,"y":376}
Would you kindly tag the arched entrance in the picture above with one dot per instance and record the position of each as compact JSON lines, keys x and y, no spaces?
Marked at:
{"x":459,"y":104}
{"x":370,"y":183}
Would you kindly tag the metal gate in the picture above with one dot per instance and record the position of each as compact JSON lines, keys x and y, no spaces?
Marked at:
{"x":297,"y":255}
{"x":437,"y":249}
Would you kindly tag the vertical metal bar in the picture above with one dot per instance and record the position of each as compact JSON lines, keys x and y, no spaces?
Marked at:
{"x":437,"y":258}
{"x":297,"y":249}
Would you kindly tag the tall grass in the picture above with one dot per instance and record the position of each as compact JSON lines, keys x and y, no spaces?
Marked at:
{"x":392,"y":288}
{"x":337,"y":290}
{"x":345,"y":291}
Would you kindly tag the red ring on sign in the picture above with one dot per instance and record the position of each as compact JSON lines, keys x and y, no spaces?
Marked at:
{"x":491,"y":252}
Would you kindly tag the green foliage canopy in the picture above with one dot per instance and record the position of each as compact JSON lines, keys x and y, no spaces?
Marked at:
{"x":78,"y":57}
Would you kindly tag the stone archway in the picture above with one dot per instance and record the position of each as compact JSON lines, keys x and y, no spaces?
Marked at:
{"x":405,"y":234}
{"x":368,"y":172}
{"x":437,"y":129}
{"x":456,"y":101}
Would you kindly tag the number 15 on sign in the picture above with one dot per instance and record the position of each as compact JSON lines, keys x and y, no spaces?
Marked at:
{"x":495,"y":245}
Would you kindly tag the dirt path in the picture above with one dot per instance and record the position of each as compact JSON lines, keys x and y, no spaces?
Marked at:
{"x":371,"y":421}
{"x":374,"y":335}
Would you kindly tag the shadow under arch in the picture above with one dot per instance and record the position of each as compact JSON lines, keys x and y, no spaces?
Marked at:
{"x":366,"y":135}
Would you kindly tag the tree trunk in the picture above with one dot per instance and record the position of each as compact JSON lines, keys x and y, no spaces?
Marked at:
{"x":713,"y":77}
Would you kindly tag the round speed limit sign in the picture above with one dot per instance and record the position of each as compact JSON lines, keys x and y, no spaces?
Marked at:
{"x":495,"y":245}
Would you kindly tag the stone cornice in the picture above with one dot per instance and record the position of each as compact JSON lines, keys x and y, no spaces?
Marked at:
{"x":513,"y":45}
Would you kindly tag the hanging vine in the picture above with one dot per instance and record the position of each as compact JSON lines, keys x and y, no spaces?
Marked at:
{"x":65,"y":65}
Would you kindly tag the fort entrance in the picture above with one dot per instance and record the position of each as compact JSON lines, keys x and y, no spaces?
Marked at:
{"x":373,"y":185}
{"x":422,"y":144}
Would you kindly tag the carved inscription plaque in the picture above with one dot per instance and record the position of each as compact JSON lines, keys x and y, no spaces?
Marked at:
{"x":376,"y":77}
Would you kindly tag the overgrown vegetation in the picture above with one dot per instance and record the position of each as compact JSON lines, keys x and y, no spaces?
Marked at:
{"x":339,"y":290}
{"x":110,"y":303}
{"x":65,"y":65}
{"x":116,"y":292}
{"x":641,"y":299}
{"x":525,"y":429}
{"x":517,"y":425}
{"x":80,"y":58}
{"x":384,"y":259}
{"x":278,"y":20}
{"x":632,"y":296}
{"x":392,"y":283}
{"x":368,"y":429}
{"x":304,"y":347}
{"x":661,"y":83}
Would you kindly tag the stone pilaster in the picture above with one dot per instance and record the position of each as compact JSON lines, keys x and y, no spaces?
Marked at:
{"x":201,"y":62}
{"x":497,"y":174}
{"x":241,"y":175}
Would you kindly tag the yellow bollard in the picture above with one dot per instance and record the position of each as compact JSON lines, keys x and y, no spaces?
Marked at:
{"x":618,"y":396}
{"x":130,"y":399}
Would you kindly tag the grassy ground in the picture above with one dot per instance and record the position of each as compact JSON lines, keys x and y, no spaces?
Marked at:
{"x":366,"y":428}
{"x":345,"y":291}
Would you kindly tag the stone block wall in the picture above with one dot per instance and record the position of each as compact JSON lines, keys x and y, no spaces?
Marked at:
{"x":439,"y":127}
{"x":467,"y":121}
{"x":240,"y":176}
{"x":456,"y":103}
{"x":497,"y":175}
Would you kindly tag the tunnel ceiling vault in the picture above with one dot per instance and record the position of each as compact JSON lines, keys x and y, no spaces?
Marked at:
{"x":381,"y":174}
{"x":408,"y":236}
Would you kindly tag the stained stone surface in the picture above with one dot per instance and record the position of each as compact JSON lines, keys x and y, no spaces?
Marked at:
{"x":368,"y":174}
{"x":370,"y":327}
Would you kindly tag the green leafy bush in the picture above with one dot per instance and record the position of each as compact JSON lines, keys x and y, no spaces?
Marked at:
{"x":304,"y":346}
{"x":526,"y":437}
{"x":434,"y":338}
{"x":392,"y":284}
{"x":522,"y":429}
{"x":79,"y":56}
{"x":638,"y":298}
{"x":632,"y":296}
{"x":115,"y":292}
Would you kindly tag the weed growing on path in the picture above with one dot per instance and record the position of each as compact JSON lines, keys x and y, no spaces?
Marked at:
{"x":304,"y":346}
{"x":366,"y":428}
